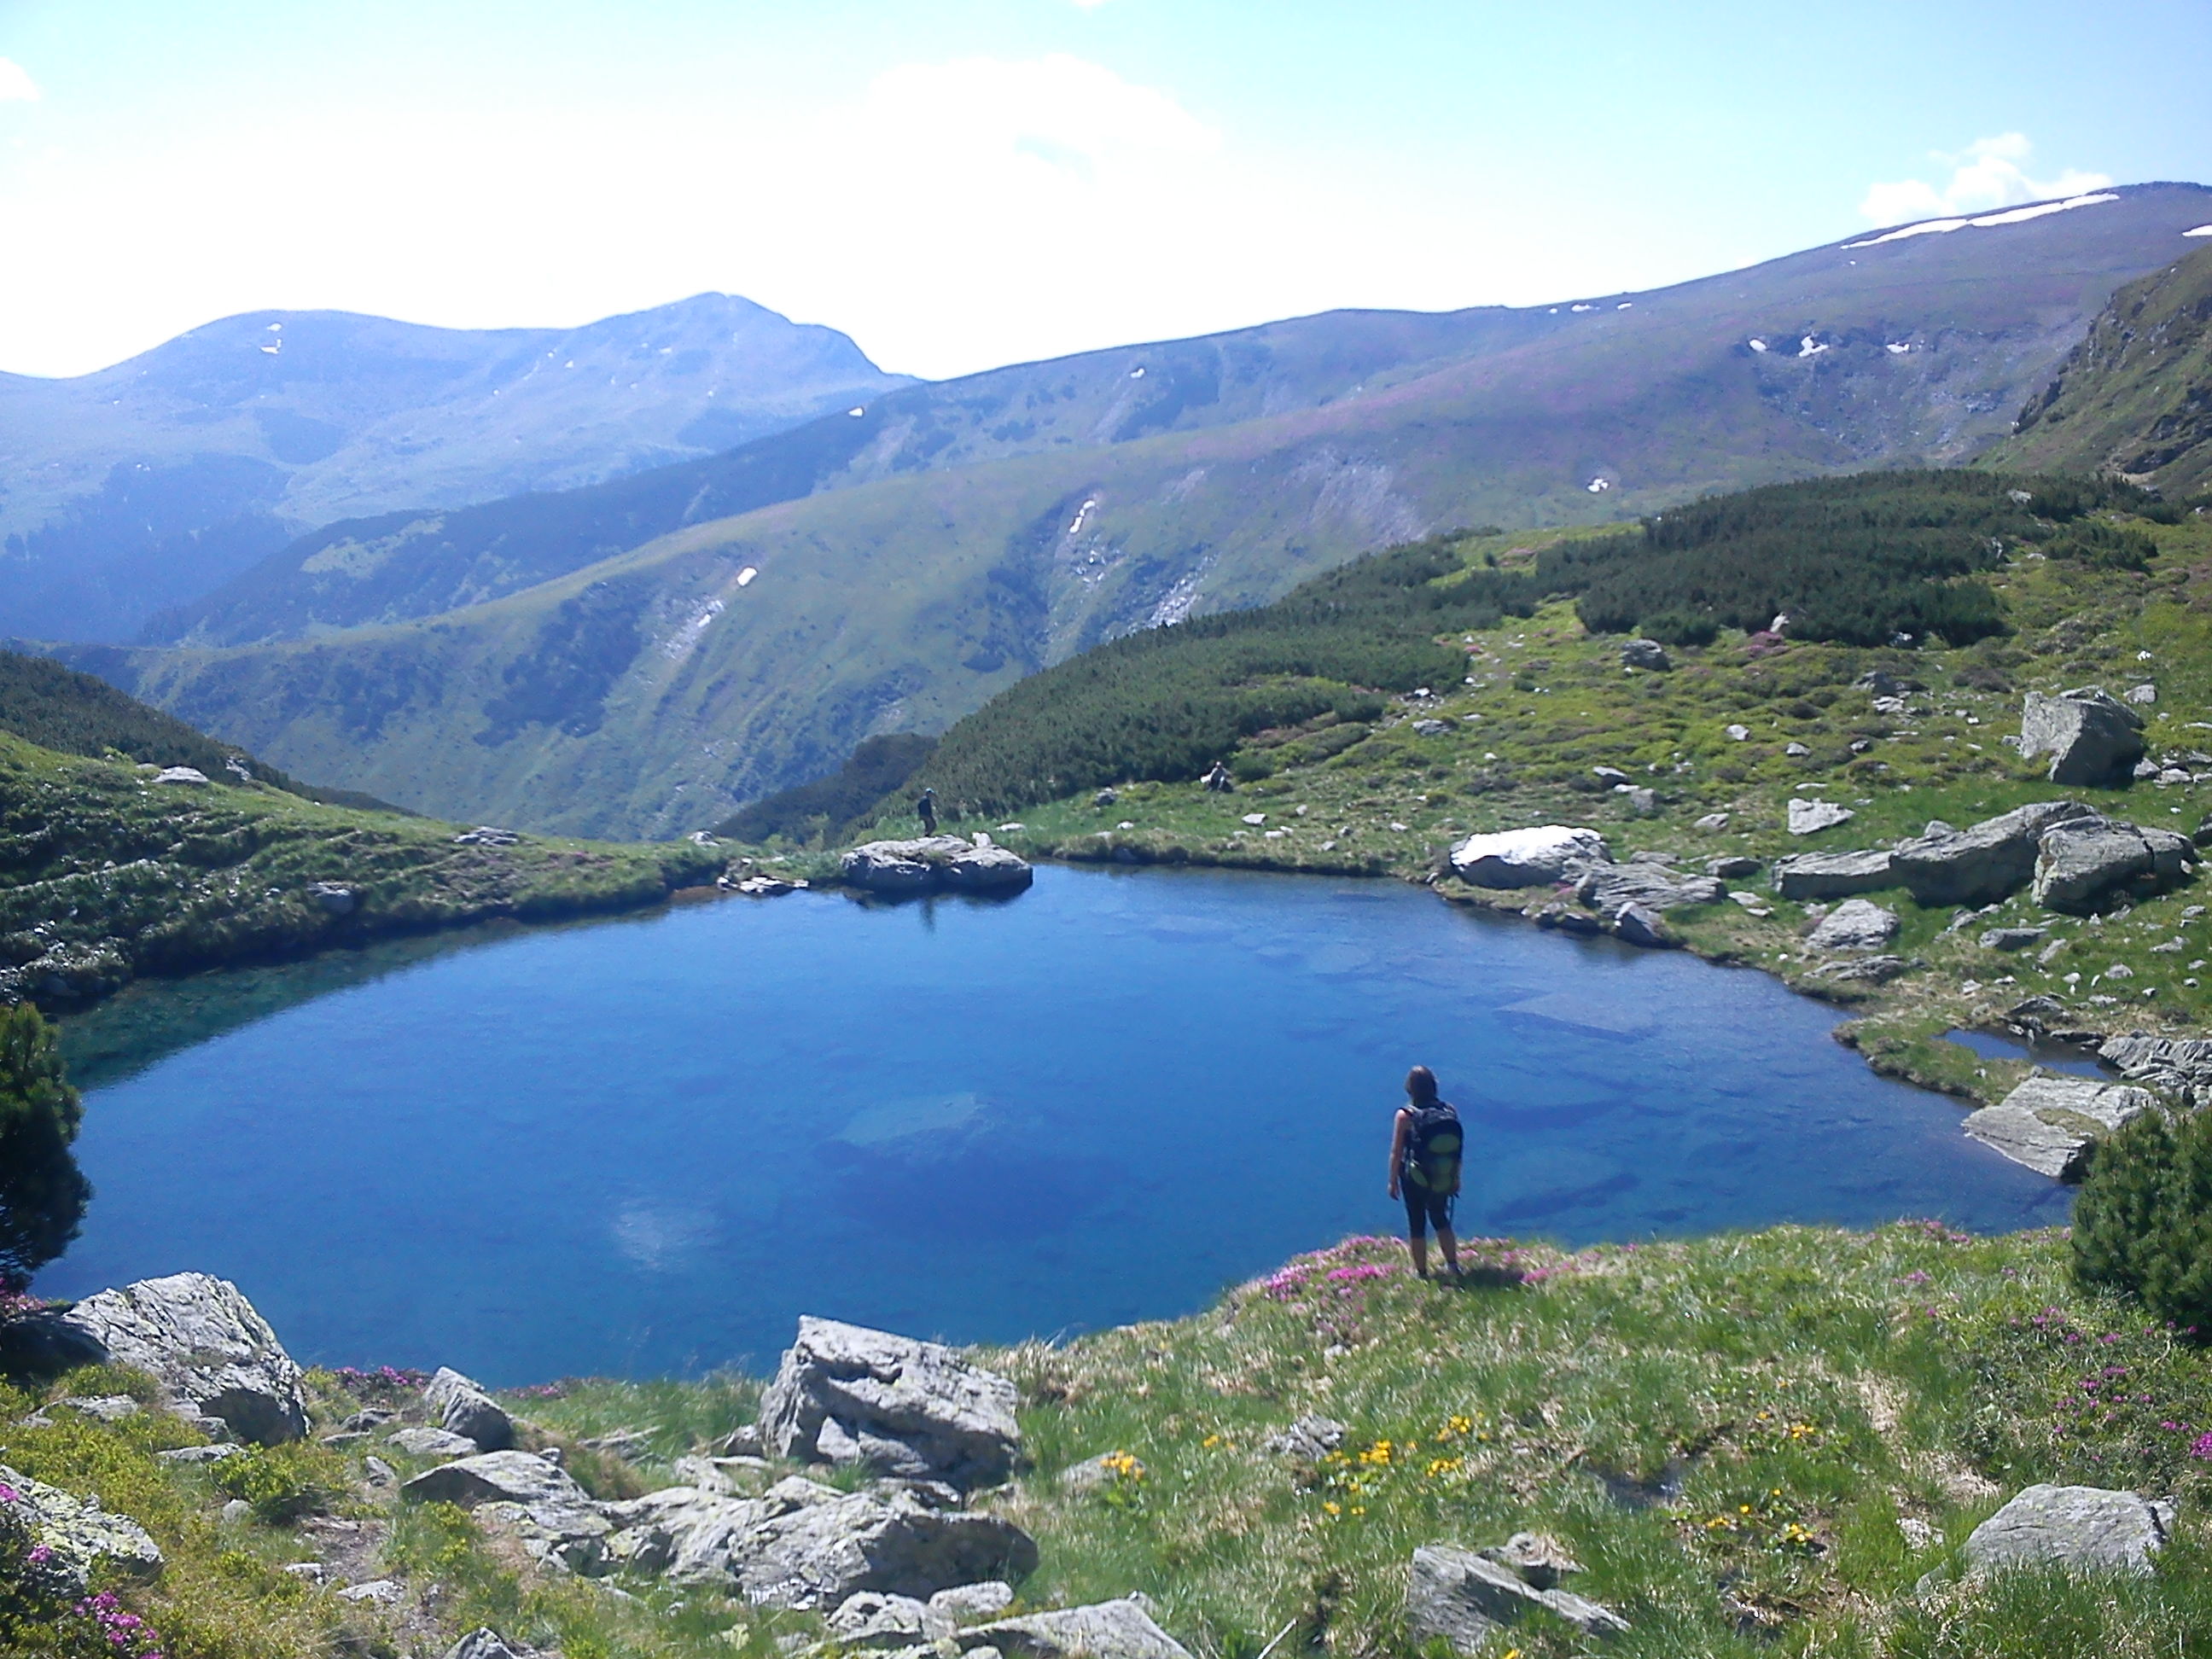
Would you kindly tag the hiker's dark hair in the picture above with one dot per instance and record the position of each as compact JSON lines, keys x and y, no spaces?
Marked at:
{"x":1421,"y":1084}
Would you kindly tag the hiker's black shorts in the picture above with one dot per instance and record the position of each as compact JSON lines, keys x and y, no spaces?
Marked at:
{"x":1425,"y":1209}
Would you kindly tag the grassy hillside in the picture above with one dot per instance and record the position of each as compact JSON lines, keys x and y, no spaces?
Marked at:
{"x":2136,"y":395}
{"x":681,"y":689}
{"x":105,"y":875}
{"x":1753,"y":1444}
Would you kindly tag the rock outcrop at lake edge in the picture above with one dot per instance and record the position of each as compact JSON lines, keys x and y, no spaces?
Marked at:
{"x":935,"y":863}
{"x":215,"y":1357}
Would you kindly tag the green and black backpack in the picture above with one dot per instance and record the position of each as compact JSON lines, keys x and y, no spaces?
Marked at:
{"x":1432,"y":1147}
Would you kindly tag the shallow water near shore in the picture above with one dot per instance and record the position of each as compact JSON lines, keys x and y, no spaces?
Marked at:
{"x":647,"y":1145}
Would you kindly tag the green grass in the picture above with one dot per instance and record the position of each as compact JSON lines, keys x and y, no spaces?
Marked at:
{"x":1726,"y":1432}
{"x":104,"y":875}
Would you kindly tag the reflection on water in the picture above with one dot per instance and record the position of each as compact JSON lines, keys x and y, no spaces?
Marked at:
{"x":649,"y":1145}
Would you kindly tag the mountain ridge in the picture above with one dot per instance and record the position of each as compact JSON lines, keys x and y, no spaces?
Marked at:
{"x":147,"y":483}
{"x":685,"y":686}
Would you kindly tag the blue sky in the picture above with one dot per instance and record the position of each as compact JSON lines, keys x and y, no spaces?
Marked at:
{"x":970,"y":182}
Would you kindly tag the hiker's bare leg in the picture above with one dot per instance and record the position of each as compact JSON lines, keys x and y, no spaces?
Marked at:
{"x":1449,"y":1246}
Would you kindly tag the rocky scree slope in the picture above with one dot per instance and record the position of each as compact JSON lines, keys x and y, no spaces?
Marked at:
{"x":1801,"y":1436}
{"x":654,"y":691}
{"x":2134,"y":398}
{"x":149,"y":484}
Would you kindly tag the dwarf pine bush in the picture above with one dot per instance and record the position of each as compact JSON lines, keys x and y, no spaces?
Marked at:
{"x":2143,"y":1222}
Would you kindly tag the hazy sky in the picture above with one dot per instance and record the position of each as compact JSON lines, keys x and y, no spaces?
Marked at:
{"x":965,"y":183}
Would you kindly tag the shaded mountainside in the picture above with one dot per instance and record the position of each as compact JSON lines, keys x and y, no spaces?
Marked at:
{"x":148,"y":484}
{"x":2136,"y":395}
{"x":656,"y":691}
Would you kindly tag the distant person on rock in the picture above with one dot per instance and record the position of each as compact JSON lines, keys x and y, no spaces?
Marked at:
{"x":1426,"y":1143}
{"x":927,"y":806}
{"x":1218,"y":779}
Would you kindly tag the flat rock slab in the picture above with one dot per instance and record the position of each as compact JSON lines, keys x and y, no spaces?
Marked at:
{"x":1856,"y":924}
{"x":928,"y":862}
{"x":1105,"y":1629}
{"x":2082,"y":1529}
{"x":844,"y":1394}
{"x":212,"y":1353}
{"x":423,"y":1441}
{"x":1464,"y":1599}
{"x":82,"y":1534}
{"x":1528,"y":858}
{"x":1809,"y":818}
{"x":2052,"y":1123}
{"x":1806,"y":876}
{"x":1607,"y":887}
{"x":504,"y":1477}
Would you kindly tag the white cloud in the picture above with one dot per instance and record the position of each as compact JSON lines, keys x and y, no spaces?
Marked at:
{"x":1991,"y":173}
{"x":16,"y":86}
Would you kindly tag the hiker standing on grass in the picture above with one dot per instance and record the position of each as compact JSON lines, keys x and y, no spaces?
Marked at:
{"x":925,"y":807}
{"x":1425,"y":1142}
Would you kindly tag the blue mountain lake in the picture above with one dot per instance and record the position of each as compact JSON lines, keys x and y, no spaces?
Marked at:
{"x":647,"y":1145}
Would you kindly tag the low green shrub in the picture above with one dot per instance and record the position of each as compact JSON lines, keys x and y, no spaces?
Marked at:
{"x":2143,"y":1222}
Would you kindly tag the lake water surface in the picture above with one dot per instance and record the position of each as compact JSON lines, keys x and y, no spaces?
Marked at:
{"x":648,"y":1145}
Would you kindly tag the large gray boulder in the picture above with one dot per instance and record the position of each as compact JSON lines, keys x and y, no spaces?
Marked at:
{"x":1809,"y":818}
{"x":1856,"y":924}
{"x":1105,"y":1629}
{"x":1647,"y":654}
{"x":2081,"y":862}
{"x":2093,"y":739}
{"x":1606,"y":888}
{"x":2082,"y":1528}
{"x":2182,"y":1066}
{"x":804,"y":1545}
{"x":1809,"y":876}
{"x":78,"y":1533}
{"x":462,"y":1408}
{"x":844,"y":1394}
{"x":929,"y":862}
{"x":1528,"y":858}
{"x":534,"y":1501}
{"x":2052,"y":1123}
{"x":1980,"y":865}
{"x":1464,"y":1599}
{"x":212,"y":1353}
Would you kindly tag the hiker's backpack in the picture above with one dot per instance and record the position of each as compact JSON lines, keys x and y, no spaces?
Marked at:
{"x":1432,"y":1147}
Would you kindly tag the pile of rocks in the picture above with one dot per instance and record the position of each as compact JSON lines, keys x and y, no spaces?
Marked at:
{"x":1628,"y":900}
{"x":935,"y":863}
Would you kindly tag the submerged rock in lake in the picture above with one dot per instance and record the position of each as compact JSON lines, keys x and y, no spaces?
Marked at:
{"x":933,"y":862}
{"x":844,"y":1394}
{"x":214,"y":1355}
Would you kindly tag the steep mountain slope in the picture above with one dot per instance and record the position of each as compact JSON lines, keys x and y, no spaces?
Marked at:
{"x":2136,"y":395}
{"x":411,"y":564}
{"x":653,"y":692}
{"x":148,"y":484}
{"x":1916,"y":357}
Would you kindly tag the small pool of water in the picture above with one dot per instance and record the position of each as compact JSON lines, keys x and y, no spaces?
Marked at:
{"x":647,"y":1145}
{"x":2051,"y":1056}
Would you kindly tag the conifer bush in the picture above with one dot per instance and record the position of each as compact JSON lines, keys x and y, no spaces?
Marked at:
{"x":2143,"y":1222}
